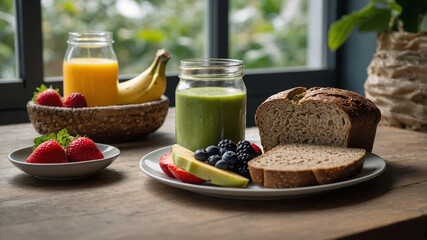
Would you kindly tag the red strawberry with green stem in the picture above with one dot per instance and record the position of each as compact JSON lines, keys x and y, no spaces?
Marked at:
{"x":47,"y":96}
{"x":75,"y":100}
{"x":83,"y":149}
{"x":48,"y":152}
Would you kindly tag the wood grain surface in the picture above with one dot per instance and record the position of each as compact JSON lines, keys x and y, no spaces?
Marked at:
{"x":121,"y":202}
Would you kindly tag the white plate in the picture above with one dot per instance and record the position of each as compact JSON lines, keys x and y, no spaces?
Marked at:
{"x":372,"y":167}
{"x":63,"y":171}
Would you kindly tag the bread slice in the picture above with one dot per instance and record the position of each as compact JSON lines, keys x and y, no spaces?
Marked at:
{"x":299,"y":165}
{"x":322,"y":116}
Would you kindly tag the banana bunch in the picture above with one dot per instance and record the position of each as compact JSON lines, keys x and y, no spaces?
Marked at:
{"x":147,"y":86}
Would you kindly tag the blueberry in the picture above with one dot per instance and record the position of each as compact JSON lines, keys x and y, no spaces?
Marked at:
{"x":212,"y":150}
{"x":222,"y":164}
{"x":230,"y":157}
{"x":232,"y":167}
{"x":224,"y":150}
{"x":213,"y":159}
{"x":201,"y":154}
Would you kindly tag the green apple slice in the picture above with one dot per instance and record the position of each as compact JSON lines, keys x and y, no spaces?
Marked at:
{"x":184,"y":158}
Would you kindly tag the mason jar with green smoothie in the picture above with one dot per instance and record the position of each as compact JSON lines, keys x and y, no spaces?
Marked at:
{"x":210,"y":102}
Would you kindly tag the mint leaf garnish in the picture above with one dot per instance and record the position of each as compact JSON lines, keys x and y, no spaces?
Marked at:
{"x":42,"y":139}
{"x":62,"y":137}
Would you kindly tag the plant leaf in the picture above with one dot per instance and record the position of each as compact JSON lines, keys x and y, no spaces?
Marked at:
{"x":367,"y":19}
{"x":375,"y":20}
{"x":395,"y":8}
{"x":341,"y":29}
{"x":412,"y":14}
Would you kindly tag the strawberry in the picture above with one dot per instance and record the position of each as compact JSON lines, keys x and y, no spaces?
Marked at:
{"x":48,"y":152}
{"x":47,"y":96}
{"x":75,"y":100}
{"x":178,"y":172}
{"x":257,"y":149}
{"x":62,"y":137}
{"x":83,"y":149}
{"x":164,"y":163}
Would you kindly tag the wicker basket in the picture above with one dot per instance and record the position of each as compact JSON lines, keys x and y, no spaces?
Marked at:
{"x":397,"y":79}
{"x":117,"y":123}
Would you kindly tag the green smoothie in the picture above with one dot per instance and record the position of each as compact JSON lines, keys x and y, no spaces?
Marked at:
{"x":206,"y":115}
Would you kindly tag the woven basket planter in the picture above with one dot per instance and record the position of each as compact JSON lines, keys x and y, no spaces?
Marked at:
{"x":397,"y":79}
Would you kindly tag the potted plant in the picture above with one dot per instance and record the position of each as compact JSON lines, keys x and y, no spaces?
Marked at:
{"x":397,"y":74}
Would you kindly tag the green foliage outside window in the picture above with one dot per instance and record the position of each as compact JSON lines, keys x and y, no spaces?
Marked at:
{"x":269,"y":33}
{"x":263,"y":33}
{"x":7,"y":40}
{"x":138,"y":30}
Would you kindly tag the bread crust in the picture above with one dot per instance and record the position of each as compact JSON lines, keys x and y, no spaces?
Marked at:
{"x":325,"y":176}
{"x":288,"y":179}
{"x":362,"y":113}
{"x":271,"y":177}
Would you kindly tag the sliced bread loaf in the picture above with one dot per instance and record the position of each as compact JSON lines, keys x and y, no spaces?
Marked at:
{"x":322,"y":116}
{"x":299,"y":165}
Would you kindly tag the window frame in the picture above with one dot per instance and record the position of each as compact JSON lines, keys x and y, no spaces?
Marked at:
{"x":260,"y":83}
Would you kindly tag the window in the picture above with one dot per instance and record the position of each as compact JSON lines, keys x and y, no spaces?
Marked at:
{"x":8,"y":58}
{"x":139,"y":29}
{"x":277,"y":34}
{"x":269,"y":34}
{"x":282,"y":42}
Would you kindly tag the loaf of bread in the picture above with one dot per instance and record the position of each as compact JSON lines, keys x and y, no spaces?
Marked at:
{"x":299,"y":165}
{"x":321,"y":116}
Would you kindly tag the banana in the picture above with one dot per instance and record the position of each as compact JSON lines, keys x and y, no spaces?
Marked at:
{"x":157,"y":86}
{"x":132,"y":90}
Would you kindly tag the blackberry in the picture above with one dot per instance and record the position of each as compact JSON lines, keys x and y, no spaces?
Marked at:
{"x":243,"y":170}
{"x":245,"y":146}
{"x":242,"y":166}
{"x":243,"y":142}
{"x":244,"y":157}
{"x":244,"y":153}
{"x":227,"y":144}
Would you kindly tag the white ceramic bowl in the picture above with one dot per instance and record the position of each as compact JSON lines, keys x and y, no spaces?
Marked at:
{"x":63,"y":171}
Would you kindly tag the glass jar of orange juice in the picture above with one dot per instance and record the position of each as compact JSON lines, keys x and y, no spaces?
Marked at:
{"x":90,"y":67}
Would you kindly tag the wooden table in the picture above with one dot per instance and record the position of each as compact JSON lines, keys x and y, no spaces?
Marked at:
{"x":121,"y":202}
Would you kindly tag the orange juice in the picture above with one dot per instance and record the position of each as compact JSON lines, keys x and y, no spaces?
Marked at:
{"x":95,"y":78}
